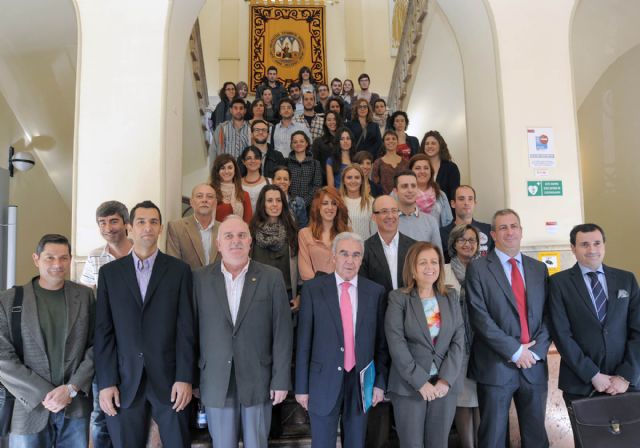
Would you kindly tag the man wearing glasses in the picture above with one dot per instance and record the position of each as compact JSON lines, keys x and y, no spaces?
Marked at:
{"x":383,"y":262}
{"x":463,"y":204}
{"x":271,"y":159}
{"x":340,"y":332}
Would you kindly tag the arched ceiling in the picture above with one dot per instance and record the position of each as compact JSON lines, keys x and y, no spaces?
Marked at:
{"x":603,"y":30}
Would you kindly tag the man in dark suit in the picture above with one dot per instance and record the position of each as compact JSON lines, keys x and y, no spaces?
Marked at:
{"x":145,"y":339}
{"x":383,"y":262}
{"x":507,"y":292}
{"x":595,"y":317}
{"x":340,"y":331}
{"x":245,"y":340}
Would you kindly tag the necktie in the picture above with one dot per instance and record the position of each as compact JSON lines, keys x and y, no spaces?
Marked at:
{"x":346,"y":313}
{"x":517,"y":285}
{"x":599,"y":297}
{"x":140,"y":265}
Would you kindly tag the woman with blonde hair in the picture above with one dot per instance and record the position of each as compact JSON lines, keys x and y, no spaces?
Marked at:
{"x":354,"y":192}
{"x":328,"y":217}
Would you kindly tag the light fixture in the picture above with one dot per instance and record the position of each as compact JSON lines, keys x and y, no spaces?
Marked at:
{"x":21,"y":161}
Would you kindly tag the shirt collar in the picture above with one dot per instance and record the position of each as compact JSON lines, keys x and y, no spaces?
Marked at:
{"x":394,"y":241}
{"x":415,"y":213}
{"x":107,"y":252}
{"x":228,"y":274}
{"x":340,"y":281}
{"x":147,"y":262}
{"x":504,"y":258}
{"x":585,"y":270}
{"x":209,"y":227}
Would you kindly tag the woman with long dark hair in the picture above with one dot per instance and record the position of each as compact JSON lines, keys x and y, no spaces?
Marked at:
{"x":282,"y":178}
{"x":430,"y":198}
{"x":307,"y":84}
{"x":253,"y":181}
{"x":323,"y":147}
{"x":226,"y":181}
{"x":366,"y":133}
{"x":387,"y":166}
{"x":275,"y":238}
{"x":445,"y":170}
{"x":222,"y":112}
{"x":343,"y":152}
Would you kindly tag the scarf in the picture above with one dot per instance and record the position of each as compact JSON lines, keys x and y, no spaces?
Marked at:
{"x":229,"y":197}
{"x":271,"y":236}
{"x":459,"y":270}
{"x":425,"y":200}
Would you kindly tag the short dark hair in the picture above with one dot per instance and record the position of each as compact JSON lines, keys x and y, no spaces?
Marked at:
{"x":109,"y":208}
{"x":455,"y":193}
{"x":272,"y":67}
{"x":289,"y":101}
{"x":585,"y":228}
{"x":398,"y":113}
{"x":258,"y":121}
{"x":361,"y":156}
{"x":336,"y":79}
{"x":238,"y":101}
{"x":293,"y":84}
{"x":402,"y":173}
{"x":363,"y":76}
{"x":52,"y":238}
{"x":144,"y":204}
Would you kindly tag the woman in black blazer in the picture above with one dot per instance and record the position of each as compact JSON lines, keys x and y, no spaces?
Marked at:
{"x":366,"y":132}
{"x":425,"y":335}
{"x":447,"y":172}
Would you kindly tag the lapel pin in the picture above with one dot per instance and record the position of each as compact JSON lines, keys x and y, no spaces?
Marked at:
{"x":253,"y":279}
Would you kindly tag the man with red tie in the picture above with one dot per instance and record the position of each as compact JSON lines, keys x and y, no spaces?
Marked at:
{"x":507,"y":292}
{"x":340,"y":331}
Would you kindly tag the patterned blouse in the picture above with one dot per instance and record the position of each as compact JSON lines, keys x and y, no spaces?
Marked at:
{"x":432,"y":314}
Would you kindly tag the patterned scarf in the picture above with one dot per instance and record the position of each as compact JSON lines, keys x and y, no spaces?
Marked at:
{"x":229,"y":197}
{"x":425,"y":200}
{"x":271,"y":236}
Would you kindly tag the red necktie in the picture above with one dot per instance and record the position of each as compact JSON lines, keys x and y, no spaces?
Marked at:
{"x":346,"y":313}
{"x":517,"y":285}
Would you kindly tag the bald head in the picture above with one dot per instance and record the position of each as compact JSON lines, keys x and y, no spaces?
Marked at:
{"x":203,"y":202}
{"x":385,"y":215}
{"x":234,"y":242}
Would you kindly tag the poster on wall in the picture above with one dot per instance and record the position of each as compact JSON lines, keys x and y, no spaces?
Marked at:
{"x":541,"y":148}
{"x":289,"y":38}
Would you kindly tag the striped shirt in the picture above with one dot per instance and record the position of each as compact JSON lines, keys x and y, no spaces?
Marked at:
{"x":315,"y":128}
{"x":281,"y":136}
{"x":229,"y":140}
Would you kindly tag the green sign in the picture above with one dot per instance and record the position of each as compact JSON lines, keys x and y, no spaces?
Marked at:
{"x":544,"y":188}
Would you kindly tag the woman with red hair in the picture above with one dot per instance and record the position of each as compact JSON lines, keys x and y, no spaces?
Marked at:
{"x":328,"y":217}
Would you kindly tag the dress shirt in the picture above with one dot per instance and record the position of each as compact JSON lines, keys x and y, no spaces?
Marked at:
{"x":205,"y":236}
{"x":234,"y":289}
{"x":143,"y":270}
{"x":282,"y":136}
{"x":601,"y":278}
{"x":353,"y":295}
{"x":391,"y":254}
{"x":506,"y":266}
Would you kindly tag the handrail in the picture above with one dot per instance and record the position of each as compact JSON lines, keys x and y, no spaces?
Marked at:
{"x":411,"y":35}
{"x":200,"y":78}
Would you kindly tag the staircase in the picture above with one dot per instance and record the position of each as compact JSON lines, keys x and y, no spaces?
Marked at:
{"x":411,"y":35}
{"x":200,"y":77}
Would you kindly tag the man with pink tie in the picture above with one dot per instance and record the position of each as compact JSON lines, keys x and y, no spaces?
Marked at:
{"x":340,"y":331}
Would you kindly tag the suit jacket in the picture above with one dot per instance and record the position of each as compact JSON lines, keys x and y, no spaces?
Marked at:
{"x":155,"y":336}
{"x":258,"y":346}
{"x":320,"y":349}
{"x":496,"y":324}
{"x":184,"y":242}
{"x":374,"y":263}
{"x":586,"y":346}
{"x":30,"y":380}
{"x":411,"y":347}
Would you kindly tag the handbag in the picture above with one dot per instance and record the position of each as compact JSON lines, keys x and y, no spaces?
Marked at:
{"x":7,"y":400}
{"x":608,"y":421}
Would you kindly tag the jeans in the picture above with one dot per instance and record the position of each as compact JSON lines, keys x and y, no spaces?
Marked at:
{"x":99,"y":433}
{"x":60,"y":432}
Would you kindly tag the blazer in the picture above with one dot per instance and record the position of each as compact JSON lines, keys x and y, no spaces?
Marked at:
{"x":586,"y":346}
{"x":320,"y":350}
{"x":448,"y":178}
{"x":30,"y":380}
{"x":258,"y":346}
{"x":155,"y":336}
{"x":410,"y":345}
{"x":185,"y":243}
{"x":371,"y":142}
{"x":374,"y":263}
{"x":496,"y":324}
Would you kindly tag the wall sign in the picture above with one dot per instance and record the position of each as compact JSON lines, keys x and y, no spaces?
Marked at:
{"x":544,"y":188}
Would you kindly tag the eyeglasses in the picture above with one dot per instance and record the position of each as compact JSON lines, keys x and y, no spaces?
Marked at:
{"x":470,"y":241}
{"x":387,"y":211}
{"x":363,"y":106}
{"x":264,"y":130}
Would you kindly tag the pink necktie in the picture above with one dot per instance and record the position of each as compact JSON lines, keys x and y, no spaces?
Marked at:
{"x":346,"y":314}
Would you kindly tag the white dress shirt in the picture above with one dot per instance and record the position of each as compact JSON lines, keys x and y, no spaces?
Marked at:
{"x":353,"y":295}
{"x":391,"y":254}
{"x":234,"y":289}
{"x":205,"y":236}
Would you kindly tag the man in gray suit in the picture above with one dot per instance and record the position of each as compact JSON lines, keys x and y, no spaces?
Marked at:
{"x":507,"y":292}
{"x":245,"y":340}
{"x":52,"y":383}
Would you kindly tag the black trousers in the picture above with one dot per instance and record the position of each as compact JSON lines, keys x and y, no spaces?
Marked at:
{"x":130,"y":427}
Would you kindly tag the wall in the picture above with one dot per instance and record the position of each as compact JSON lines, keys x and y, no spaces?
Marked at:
{"x":609,"y":143}
{"x":224,"y":27}
{"x":41,"y":209}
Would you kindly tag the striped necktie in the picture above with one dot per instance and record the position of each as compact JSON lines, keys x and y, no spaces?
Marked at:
{"x":599,"y":297}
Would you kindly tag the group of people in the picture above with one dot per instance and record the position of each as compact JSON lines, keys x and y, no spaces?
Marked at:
{"x":327,"y":254}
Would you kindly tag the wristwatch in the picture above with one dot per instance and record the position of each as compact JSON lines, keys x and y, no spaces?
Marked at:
{"x":72,"y":391}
